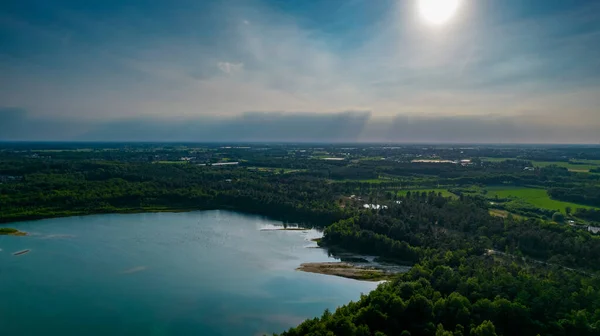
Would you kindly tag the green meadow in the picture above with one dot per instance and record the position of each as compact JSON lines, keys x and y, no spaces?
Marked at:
{"x":533,"y":196}
{"x":582,"y":166}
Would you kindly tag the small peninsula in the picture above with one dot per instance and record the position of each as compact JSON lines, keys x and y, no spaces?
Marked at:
{"x":345,"y":270}
{"x":11,"y":232}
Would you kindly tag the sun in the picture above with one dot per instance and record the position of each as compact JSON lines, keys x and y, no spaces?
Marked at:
{"x":438,"y":12}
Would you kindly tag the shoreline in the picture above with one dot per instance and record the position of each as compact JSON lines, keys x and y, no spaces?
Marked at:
{"x":125,"y":211}
{"x":286,"y":229}
{"x":346,"y":270}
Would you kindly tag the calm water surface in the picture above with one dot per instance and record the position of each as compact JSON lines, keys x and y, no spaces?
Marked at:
{"x":197,"y":273}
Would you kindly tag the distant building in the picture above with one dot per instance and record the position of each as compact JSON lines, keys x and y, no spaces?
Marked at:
{"x":374,"y":206}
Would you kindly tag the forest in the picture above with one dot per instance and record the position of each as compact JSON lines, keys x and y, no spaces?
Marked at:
{"x":584,"y":195}
{"x":481,"y":264}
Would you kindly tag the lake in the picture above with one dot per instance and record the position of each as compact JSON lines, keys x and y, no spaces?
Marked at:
{"x":195,"y":273}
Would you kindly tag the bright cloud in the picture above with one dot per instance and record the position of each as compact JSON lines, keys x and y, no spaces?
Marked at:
{"x":230,"y":68}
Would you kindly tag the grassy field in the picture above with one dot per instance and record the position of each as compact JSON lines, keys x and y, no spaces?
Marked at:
{"x":533,"y":196}
{"x":444,"y":192}
{"x":583,"y":168}
{"x":592,"y":162}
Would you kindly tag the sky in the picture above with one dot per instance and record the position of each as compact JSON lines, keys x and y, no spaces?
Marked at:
{"x":499,"y":71}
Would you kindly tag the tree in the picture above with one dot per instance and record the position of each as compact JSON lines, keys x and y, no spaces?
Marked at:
{"x":558,"y":217}
{"x":486,"y":328}
{"x":440,"y":331}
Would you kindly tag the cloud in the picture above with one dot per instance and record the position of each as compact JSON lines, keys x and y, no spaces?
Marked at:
{"x":230,"y":68}
{"x":148,"y":68}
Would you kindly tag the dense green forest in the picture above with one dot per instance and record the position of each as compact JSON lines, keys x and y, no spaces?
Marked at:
{"x":457,"y":295}
{"x":499,"y":244}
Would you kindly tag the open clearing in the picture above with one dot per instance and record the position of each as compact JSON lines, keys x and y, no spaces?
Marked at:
{"x":503,"y":213}
{"x":533,"y":196}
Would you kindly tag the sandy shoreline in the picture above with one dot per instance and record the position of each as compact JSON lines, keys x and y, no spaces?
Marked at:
{"x":345,"y":270}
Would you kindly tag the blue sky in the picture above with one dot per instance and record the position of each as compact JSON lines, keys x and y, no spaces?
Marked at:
{"x":293,"y":70}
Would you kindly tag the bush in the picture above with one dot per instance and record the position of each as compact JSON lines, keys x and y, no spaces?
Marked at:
{"x":558,"y":217}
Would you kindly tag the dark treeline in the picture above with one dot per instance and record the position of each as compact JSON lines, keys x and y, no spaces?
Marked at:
{"x":76,"y":188}
{"x":589,"y":195}
{"x":589,"y":214}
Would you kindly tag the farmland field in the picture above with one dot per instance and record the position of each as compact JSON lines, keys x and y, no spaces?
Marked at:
{"x":533,"y":196}
{"x":592,"y":162}
{"x":568,"y":165}
{"x":582,"y":166}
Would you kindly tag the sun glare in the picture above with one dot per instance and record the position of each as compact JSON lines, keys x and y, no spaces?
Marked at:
{"x":438,"y":12}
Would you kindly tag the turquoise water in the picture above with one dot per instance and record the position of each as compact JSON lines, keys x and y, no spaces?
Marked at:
{"x":196,"y":273}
